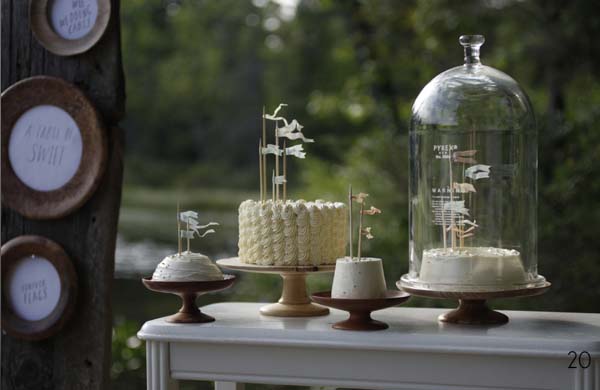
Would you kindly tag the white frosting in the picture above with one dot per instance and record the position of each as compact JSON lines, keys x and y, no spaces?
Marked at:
{"x":265,"y":234}
{"x":292,"y":232}
{"x":245,"y":247}
{"x":358,"y":279}
{"x":303,"y":239}
{"x":277,"y":237}
{"x":317,"y":231}
{"x":484,"y":266}
{"x":340,"y":230}
{"x":187,"y":266}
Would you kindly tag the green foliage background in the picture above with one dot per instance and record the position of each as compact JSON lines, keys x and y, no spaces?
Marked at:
{"x":199,"y":72}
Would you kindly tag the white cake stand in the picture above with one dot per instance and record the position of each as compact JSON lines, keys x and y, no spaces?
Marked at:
{"x":294,"y":301}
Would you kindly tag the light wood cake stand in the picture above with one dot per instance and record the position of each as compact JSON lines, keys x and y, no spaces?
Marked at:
{"x":294,"y":301}
{"x":472,"y":306}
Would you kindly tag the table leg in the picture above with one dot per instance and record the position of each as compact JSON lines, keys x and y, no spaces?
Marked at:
{"x":229,"y":386}
{"x":158,"y":376}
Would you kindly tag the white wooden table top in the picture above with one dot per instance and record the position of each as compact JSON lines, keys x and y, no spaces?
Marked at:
{"x":411,"y":329}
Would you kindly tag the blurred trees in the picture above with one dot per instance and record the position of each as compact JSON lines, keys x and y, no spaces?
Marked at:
{"x":199,"y":72}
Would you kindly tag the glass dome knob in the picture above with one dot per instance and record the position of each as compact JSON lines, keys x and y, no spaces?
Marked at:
{"x":471,"y":43}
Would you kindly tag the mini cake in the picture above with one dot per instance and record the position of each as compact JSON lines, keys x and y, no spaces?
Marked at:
{"x":188,"y":266}
{"x":185,"y":267}
{"x":359,"y":277}
{"x":283,"y":232}
{"x":292,"y":232}
{"x":479,"y":266}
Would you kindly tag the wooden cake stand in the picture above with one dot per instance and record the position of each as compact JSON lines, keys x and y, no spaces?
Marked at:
{"x":360,"y":309}
{"x":294,"y":301}
{"x":472,"y":308}
{"x":189,"y":291}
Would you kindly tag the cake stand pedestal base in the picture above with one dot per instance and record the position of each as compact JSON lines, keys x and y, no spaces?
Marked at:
{"x":189,"y":312}
{"x":473,"y":312}
{"x":294,"y":301}
{"x":472,"y":308}
{"x":360,"y":309}
{"x":360,"y":321}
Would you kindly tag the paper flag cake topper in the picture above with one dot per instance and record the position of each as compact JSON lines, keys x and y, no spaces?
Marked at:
{"x":365,"y":231}
{"x":191,"y":227}
{"x":455,"y":209}
{"x":289,"y":131}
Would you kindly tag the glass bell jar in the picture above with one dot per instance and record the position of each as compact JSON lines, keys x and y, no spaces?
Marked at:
{"x":473,"y":181}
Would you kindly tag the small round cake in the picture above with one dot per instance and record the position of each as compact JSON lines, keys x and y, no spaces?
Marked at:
{"x":480,"y":266}
{"x":358,"y":279}
{"x":187,"y":267}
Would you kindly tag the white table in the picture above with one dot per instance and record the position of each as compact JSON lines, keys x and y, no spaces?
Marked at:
{"x":416,"y":352}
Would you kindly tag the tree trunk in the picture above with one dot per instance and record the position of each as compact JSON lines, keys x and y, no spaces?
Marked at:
{"x":78,"y":357}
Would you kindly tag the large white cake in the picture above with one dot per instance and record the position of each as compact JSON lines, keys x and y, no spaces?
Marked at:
{"x":185,"y":267}
{"x":358,"y":279}
{"x":478,"y":266}
{"x":292,"y":232}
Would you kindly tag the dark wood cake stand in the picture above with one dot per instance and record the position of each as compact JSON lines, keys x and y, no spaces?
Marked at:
{"x":360,"y":309}
{"x":189,"y":291}
{"x":472,"y":307}
{"x":294,"y":301}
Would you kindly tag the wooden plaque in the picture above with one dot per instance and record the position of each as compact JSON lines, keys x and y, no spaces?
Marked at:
{"x":39,"y":287}
{"x":53,"y":147}
{"x":68,"y":27}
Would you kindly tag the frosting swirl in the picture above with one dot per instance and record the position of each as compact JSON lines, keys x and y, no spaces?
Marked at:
{"x":290,"y":230}
{"x":277,"y":237}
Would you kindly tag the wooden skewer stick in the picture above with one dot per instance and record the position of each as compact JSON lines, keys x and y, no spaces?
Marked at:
{"x":273,"y":184}
{"x":260,"y":168}
{"x":350,"y":217}
{"x":284,"y":171}
{"x":277,"y":157}
{"x":452,"y":221}
{"x":264,"y":156}
{"x":444,"y":232}
{"x":187,"y":235}
{"x":360,"y":223}
{"x":178,"y":231}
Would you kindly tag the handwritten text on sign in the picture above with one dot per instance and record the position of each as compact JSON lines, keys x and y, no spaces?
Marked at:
{"x":34,"y":287}
{"x":73,"y":19}
{"x":45,"y":148}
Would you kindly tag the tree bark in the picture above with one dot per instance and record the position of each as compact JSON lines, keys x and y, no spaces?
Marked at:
{"x":78,"y":357}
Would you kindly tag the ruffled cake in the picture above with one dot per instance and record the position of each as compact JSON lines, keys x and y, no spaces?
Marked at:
{"x":292,"y":232}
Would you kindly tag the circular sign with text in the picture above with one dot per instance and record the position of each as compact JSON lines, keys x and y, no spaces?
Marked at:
{"x":68,"y":27}
{"x":39,"y":287}
{"x":53,"y":148}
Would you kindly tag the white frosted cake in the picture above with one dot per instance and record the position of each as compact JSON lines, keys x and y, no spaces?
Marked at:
{"x":358,"y":279}
{"x":186,"y":267}
{"x":481,"y":266}
{"x":292,"y":232}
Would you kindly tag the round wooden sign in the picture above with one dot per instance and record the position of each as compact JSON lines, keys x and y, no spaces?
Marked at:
{"x":39,"y":287}
{"x":53,"y":147}
{"x":68,"y":27}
